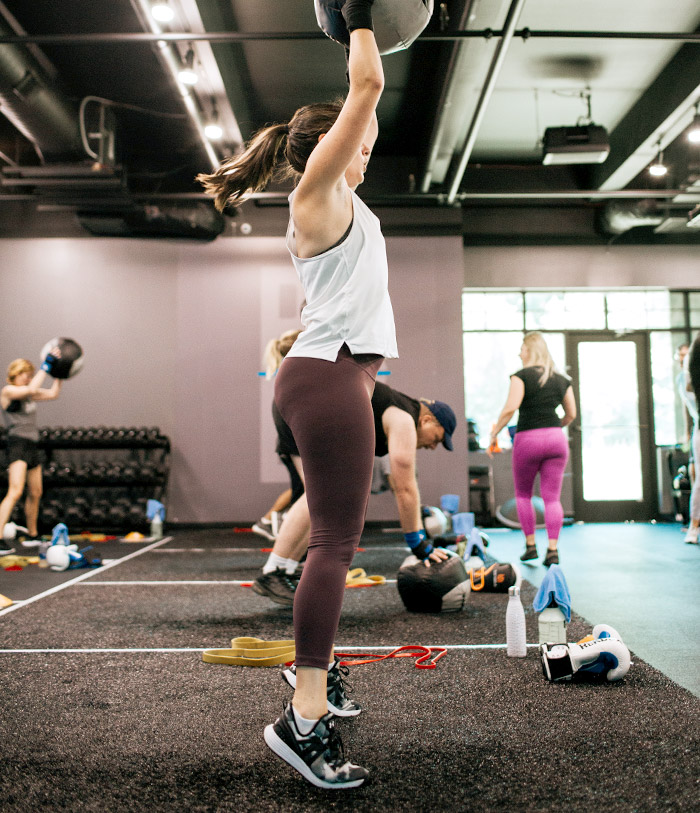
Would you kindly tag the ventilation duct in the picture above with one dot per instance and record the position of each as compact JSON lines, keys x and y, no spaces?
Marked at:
{"x":36,"y":108}
{"x":200,"y":222}
{"x":618,"y":217}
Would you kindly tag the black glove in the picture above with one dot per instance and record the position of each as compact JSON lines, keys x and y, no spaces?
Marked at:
{"x":418,"y":543}
{"x":357,"y":14}
{"x":48,"y":363}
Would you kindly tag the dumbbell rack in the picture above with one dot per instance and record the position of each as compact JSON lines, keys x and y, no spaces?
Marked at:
{"x":100,"y":478}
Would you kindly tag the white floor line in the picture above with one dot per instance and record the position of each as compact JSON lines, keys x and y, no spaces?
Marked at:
{"x":259,"y":550}
{"x":338,"y":648}
{"x":83,"y":576}
{"x":213,"y":550}
{"x":162,"y":581}
{"x":202,"y":581}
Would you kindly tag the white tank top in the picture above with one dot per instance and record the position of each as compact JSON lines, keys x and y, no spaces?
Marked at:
{"x":347,"y":295}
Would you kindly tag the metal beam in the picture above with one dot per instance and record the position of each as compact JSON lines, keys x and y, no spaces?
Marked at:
{"x":516,"y":7}
{"x":252,"y":36}
{"x":660,"y":115}
{"x":433,"y":198}
{"x":444,"y":103}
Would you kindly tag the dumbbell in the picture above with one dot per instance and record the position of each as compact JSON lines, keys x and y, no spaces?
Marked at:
{"x":74,"y":515}
{"x":117,"y":515}
{"x":98,"y":513}
{"x":64,"y":473}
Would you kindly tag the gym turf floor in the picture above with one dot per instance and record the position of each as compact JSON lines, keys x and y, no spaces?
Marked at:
{"x":108,"y":706}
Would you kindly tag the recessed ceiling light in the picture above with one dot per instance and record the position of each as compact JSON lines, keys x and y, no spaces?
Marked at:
{"x":162,"y":12}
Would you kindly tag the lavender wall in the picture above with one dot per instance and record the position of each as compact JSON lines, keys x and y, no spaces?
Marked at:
{"x":582,"y":267}
{"x":173,"y":334}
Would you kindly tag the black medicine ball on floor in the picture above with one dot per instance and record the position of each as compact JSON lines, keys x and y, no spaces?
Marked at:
{"x":441,"y":588}
{"x":71,"y":361}
{"x":397,"y":23}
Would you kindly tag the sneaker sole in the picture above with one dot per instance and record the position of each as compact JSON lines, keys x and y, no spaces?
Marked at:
{"x":285,"y":602}
{"x":283,"y":751}
{"x":256,"y":529}
{"x":291,"y":678}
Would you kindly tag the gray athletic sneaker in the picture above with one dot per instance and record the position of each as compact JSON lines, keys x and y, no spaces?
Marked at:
{"x":277,"y":586}
{"x":263,"y":527}
{"x":318,"y":755}
{"x":339,"y":703}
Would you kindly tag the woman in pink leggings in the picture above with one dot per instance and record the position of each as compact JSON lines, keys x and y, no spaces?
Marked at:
{"x":540,"y":445}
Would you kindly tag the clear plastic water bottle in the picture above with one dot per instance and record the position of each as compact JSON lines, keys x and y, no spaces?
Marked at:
{"x":156,"y":527}
{"x":552,"y":625}
{"x":516,"y":641}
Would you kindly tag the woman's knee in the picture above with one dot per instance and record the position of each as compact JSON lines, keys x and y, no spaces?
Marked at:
{"x":14,"y":493}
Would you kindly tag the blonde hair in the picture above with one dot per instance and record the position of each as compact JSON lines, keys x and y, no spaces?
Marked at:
{"x":251,"y":170}
{"x":539,"y":356}
{"x":17,"y":367}
{"x":276,"y":350}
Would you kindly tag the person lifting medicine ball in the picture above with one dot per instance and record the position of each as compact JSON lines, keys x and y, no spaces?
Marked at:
{"x":324,"y":385}
{"x":18,"y":399}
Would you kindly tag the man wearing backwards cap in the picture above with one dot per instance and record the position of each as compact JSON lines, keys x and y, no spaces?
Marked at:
{"x":402,"y":425}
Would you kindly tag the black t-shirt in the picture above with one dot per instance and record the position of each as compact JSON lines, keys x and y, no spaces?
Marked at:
{"x":285,"y":440}
{"x":538,"y":408}
{"x":383,"y":398}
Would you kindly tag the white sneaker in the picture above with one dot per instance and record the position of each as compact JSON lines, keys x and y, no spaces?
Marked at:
{"x":692,"y":536}
{"x":263,"y":528}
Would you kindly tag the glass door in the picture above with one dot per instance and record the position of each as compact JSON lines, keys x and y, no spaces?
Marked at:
{"x":612,"y":436}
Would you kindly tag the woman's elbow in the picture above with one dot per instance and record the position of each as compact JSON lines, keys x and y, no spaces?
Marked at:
{"x":371,"y":85}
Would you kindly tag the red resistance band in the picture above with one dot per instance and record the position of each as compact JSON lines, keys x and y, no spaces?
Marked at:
{"x":426,"y":656}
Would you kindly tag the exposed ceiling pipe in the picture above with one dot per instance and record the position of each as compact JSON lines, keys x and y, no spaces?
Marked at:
{"x":618,"y":217}
{"x":259,"y":36}
{"x":444,"y":103}
{"x":433,"y":197}
{"x":494,"y":69}
{"x":34,"y":106}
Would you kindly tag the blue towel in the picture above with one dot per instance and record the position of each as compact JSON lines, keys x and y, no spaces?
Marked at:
{"x":59,"y":534}
{"x":553,"y":588}
{"x":475,"y":545}
{"x":153,"y":508}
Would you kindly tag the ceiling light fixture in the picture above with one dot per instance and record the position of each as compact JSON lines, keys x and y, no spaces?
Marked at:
{"x":658,"y":169}
{"x":694,"y":132}
{"x":213,"y":129}
{"x":162,"y":12}
{"x":187,"y":75}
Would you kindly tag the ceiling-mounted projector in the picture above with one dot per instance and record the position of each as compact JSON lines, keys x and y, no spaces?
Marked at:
{"x":585,"y":144}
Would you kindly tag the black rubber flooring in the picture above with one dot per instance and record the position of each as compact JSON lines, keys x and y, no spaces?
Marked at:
{"x":154,"y":728}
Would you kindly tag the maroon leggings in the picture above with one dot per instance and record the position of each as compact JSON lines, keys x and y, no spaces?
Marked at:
{"x":328,"y":407}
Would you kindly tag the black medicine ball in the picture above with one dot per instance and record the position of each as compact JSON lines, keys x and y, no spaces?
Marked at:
{"x":71,"y":361}
{"x":397,"y":23}
{"x":441,"y":588}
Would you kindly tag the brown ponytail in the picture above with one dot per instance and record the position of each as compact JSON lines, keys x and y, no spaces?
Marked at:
{"x":252,"y":170}
{"x":248,"y":172}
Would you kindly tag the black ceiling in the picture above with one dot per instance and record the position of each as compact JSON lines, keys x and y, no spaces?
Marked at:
{"x":461,"y":117}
